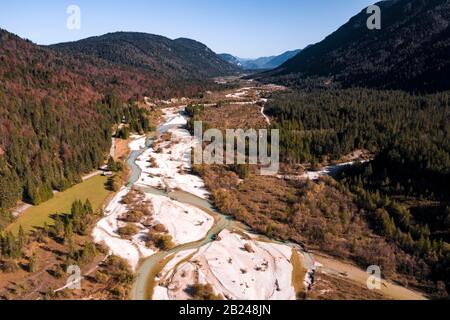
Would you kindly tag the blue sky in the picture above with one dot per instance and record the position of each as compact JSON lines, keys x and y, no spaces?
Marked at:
{"x":246,"y":28}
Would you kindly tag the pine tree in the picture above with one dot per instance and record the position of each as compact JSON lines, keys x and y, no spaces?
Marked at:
{"x":59,"y":226}
{"x":68,"y":234}
{"x":32,"y":263}
{"x":22,"y":238}
{"x":88,"y":207}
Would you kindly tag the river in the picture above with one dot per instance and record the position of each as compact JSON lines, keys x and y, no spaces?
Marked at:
{"x":143,"y":286}
{"x":149,"y":268}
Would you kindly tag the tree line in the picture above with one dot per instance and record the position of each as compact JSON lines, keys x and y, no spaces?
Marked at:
{"x":410,"y":132}
{"x":44,"y":152}
{"x":404,"y":192}
{"x":78,"y":222}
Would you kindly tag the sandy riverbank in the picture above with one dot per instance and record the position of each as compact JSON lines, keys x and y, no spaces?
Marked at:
{"x":184,"y":223}
{"x":238,"y":268}
{"x":172,"y":159}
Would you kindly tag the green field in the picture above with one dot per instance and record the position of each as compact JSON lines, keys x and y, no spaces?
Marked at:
{"x":92,"y":189}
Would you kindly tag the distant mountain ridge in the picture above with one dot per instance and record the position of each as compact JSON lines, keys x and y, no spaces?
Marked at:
{"x":263,"y":63}
{"x":411,"y":51}
{"x":181,"y":57}
{"x":231,"y":59}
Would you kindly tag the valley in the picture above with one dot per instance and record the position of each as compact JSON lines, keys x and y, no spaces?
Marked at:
{"x":188,"y":223}
{"x":186,"y":264}
{"x":178,"y":243}
{"x":135,"y":166}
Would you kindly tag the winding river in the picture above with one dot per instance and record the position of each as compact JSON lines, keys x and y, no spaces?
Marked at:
{"x":150,"y":267}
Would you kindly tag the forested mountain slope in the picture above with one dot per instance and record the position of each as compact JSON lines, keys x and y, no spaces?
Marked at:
{"x":277,"y":61}
{"x":404,"y":193}
{"x":410,"y":52}
{"x":174,"y":58}
{"x":263,"y":63}
{"x":57,"y":111}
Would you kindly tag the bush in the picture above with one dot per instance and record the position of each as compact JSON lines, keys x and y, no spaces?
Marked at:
{"x":202,"y":292}
{"x":134,"y":216}
{"x":101,"y":277}
{"x":128,"y":231}
{"x":32,"y":264}
{"x":153,"y":163}
{"x":160,"y":228}
{"x":119,"y":292}
{"x":120,"y":274}
{"x":248,"y":247}
{"x":87,"y":254}
{"x":242,"y":170}
{"x":8,"y":266}
{"x":114,"y":183}
{"x":114,"y":166}
{"x":162,"y":241}
{"x":58,"y":272}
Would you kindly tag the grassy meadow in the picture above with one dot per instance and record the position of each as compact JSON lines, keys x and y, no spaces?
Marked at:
{"x":92,"y":189}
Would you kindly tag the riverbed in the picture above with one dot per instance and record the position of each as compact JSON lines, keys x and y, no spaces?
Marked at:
{"x":251,"y":269}
{"x":210,"y":248}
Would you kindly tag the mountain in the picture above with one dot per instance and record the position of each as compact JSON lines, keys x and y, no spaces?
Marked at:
{"x":174,"y":58}
{"x":410,"y":52}
{"x":231,"y":59}
{"x":263,"y":63}
{"x":256,"y":64}
{"x":277,"y":61}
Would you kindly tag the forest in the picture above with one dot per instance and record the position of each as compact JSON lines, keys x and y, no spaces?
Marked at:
{"x":71,"y":244}
{"x":404,"y":192}
{"x":317,"y":124}
{"x":43,"y":153}
{"x":79,"y":221}
{"x":57,"y":112}
{"x":410,"y":52}
{"x":409,"y":218}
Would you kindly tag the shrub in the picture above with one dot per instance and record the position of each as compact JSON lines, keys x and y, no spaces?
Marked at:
{"x":134,"y":216}
{"x":86,"y":254}
{"x":128,"y":231}
{"x":161,"y":241}
{"x":32,"y":264}
{"x":58,"y":272}
{"x":120,"y":274}
{"x":160,"y":228}
{"x":114,"y":183}
{"x":248,"y":247}
{"x":8,"y":266}
{"x":101,"y":277}
{"x":202,"y":292}
{"x":119,"y":292}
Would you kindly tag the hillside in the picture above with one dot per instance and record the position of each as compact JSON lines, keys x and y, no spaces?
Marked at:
{"x":410,"y":52}
{"x":231,"y":59}
{"x":263,"y":63}
{"x":180,"y":58}
{"x":57,"y":111}
{"x":277,"y":61}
